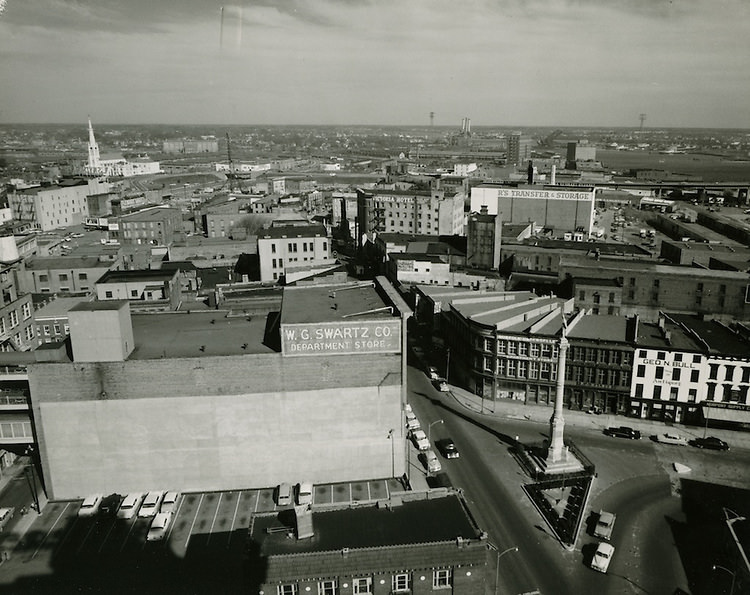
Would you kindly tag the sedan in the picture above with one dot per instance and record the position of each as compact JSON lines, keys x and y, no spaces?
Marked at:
{"x":169,"y":503}
{"x":150,"y":504}
{"x":668,"y":438}
{"x":420,"y":440}
{"x":90,"y":505}
{"x":448,"y":448}
{"x":159,"y":526}
{"x":623,"y":432}
{"x":602,"y":557}
{"x":711,"y":442}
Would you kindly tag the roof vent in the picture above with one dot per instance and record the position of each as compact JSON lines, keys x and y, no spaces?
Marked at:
{"x":345,"y":551}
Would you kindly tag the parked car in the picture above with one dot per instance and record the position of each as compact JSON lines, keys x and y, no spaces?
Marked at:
{"x":150,"y":504}
{"x":441,"y":384}
{"x":169,"y":502}
{"x":420,"y":439}
{"x":412,"y":423}
{"x":5,"y":515}
{"x":110,"y":504}
{"x":605,"y":524}
{"x":283,"y":494}
{"x":623,"y":432}
{"x":433,"y":464}
{"x":669,"y":438}
{"x":602,"y":557}
{"x":304,"y":492}
{"x":432,"y":372}
{"x":90,"y":505}
{"x":448,"y":448}
{"x":129,"y":506}
{"x":159,"y":526}
{"x":710,"y":442}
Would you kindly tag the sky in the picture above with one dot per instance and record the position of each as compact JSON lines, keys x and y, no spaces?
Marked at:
{"x":683,"y":63}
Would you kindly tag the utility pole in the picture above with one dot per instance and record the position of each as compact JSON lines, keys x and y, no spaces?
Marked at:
{"x":642,"y":118}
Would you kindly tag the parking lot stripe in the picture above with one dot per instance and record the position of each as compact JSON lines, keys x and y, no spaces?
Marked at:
{"x":369,"y":495}
{"x":173,"y":522}
{"x":72,"y":526}
{"x":234,"y":518}
{"x":213,"y":522}
{"x":132,"y":526}
{"x":257,"y":500}
{"x":106,"y":537}
{"x":83,"y":541}
{"x":57,"y":520}
{"x":195,"y":518}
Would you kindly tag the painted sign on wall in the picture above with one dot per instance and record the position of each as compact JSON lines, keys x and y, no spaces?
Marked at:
{"x":363,"y":336}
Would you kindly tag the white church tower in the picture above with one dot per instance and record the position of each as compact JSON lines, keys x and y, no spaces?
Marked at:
{"x":94,"y":164}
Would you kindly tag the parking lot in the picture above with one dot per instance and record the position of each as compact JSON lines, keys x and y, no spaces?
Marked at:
{"x":62,"y":552}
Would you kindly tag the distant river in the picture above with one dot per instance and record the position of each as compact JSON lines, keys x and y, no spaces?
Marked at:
{"x":708,"y":167}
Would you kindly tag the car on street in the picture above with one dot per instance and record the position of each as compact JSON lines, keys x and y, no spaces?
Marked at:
{"x":671,"y":438}
{"x":169,"y":502}
{"x":90,"y":505}
{"x":433,"y":463}
{"x":412,"y":423}
{"x":304,"y":492}
{"x":602,"y":557}
{"x":420,"y":439}
{"x":5,"y":515}
{"x":432,"y":372}
{"x":710,"y":442}
{"x":441,"y":384}
{"x":129,"y":506}
{"x":623,"y":432}
{"x":605,"y":524}
{"x":447,"y":448}
{"x":158,"y":529}
{"x":150,"y":504}
{"x":283,"y":494}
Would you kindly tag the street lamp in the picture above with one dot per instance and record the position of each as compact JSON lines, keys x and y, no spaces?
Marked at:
{"x":717,"y":566}
{"x":497,"y":566}
{"x":429,"y":429}
{"x":393,"y":452}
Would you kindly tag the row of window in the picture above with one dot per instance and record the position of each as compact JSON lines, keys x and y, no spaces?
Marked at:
{"x":292,"y":247}
{"x":523,"y":348}
{"x":54,"y":328}
{"x":13,"y":317}
{"x":400,"y":583}
{"x":533,"y":370}
{"x":62,"y":277}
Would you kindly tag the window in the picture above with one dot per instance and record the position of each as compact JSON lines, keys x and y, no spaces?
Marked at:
{"x":678,"y":357}
{"x":535,"y":350}
{"x":692,"y":395}
{"x":13,"y":315}
{"x":400,"y":583}
{"x":43,"y":279}
{"x":522,"y":369}
{"x":63,"y":277}
{"x":287,"y":590}
{"x":657,"y":392}
{"x":523,"y":349}
{"x":29,"y":333}
{"x":441,"y":579}
{"x":487,"y":363}
{"x":108,"y":294}
{"x":488,"y":344}
{"x":134,"y":293}
{"x":694,"y":375}
{"x":745,"y":374}
{"x":714,"y":371}
{"x":327,"y":588}
{"x":273,"y":248}
{"x":673,"y":393}
{"x":83,"y":276}
{"x":57,"y":329}
{"x":512,"y":347}
{"x":641,"y":372}
{"x":659,"y":373}
{"x":676,"y":373}
{"x":362,"y":586}
{"x":26,"y":309}
{"x":639,"y":391}
{"x":729,"y":373}
{"x":512,"y":368}
{"x":534,"y":370}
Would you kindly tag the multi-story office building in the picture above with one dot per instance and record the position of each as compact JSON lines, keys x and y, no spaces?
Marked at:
{"x":597,"y":296}
{"x":156,"y":225}
{"x":408,"y":211}
{"x":62,"y":274}
{"x":280,"y":248}
{"x":483,"y":240}
{"x":16,"y":314}
{"x":519,"y":149}
{"x":53,"y":206}
{"x":52,"y":319}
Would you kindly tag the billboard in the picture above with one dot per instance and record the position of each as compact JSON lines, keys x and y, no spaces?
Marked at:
{"x":342,"y":337}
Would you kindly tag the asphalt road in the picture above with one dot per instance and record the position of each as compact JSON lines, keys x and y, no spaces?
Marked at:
{"x":635,"y":480}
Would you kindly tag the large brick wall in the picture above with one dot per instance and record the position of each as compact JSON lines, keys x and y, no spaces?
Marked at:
{"x":216,"y":422}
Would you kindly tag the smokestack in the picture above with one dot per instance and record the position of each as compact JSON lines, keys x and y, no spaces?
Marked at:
{"x":468,"y":125}
{"x":530,"y":172}
{"x":553,"y":174}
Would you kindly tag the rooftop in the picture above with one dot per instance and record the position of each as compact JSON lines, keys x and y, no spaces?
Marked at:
{"x":151,"y":214}
{"x":718,"y":337}
{"x":293,"y":231}
{"x":605,"y":328}
{"x":416,"y":522}
{"x":418,"y":256}
{"x":568,"y":262}
{"x":652,"y":336}
{"x":197,"y":334}
{"x":57,"y":308}
{"x":41,"y":263}
{"x":138,"y":275}
{"x":329,"y":303}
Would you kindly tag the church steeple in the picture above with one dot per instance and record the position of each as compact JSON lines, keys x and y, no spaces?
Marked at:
{"x":94,"y":163}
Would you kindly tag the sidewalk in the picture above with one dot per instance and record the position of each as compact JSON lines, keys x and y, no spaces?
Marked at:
{"x":510,"y":409}
{"x":10,"y":539}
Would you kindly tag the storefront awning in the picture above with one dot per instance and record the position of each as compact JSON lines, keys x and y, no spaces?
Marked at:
{"x":741,"y":416}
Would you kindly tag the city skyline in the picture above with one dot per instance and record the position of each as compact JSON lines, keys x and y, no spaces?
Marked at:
{"x":347,"y":62}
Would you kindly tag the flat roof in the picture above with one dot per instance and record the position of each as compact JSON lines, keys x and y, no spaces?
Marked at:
{"x":415,"y":522}
{"x":604,"y":327}
{"x":651,"y":336}
{"x":41,"y":263}
{"x":57,"y":308}
{"x":418,"y":256}
{"x":293,"y":231}
{"x":640,"y":265}
{"x":150,"y":214}
{"x":138,"y":275}
{"x":96,"y":305}
{"x":718,"y":337}
{"x":334,"y":302}
{"x":197,"y":334}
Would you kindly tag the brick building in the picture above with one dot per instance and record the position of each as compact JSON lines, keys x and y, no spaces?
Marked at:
{"x":417,"y":546}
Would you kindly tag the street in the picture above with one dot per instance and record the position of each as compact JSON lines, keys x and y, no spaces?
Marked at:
{"x":635,"y":480}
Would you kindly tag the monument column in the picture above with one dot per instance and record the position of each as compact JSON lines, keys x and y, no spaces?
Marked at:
{"x":556,"y":451}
